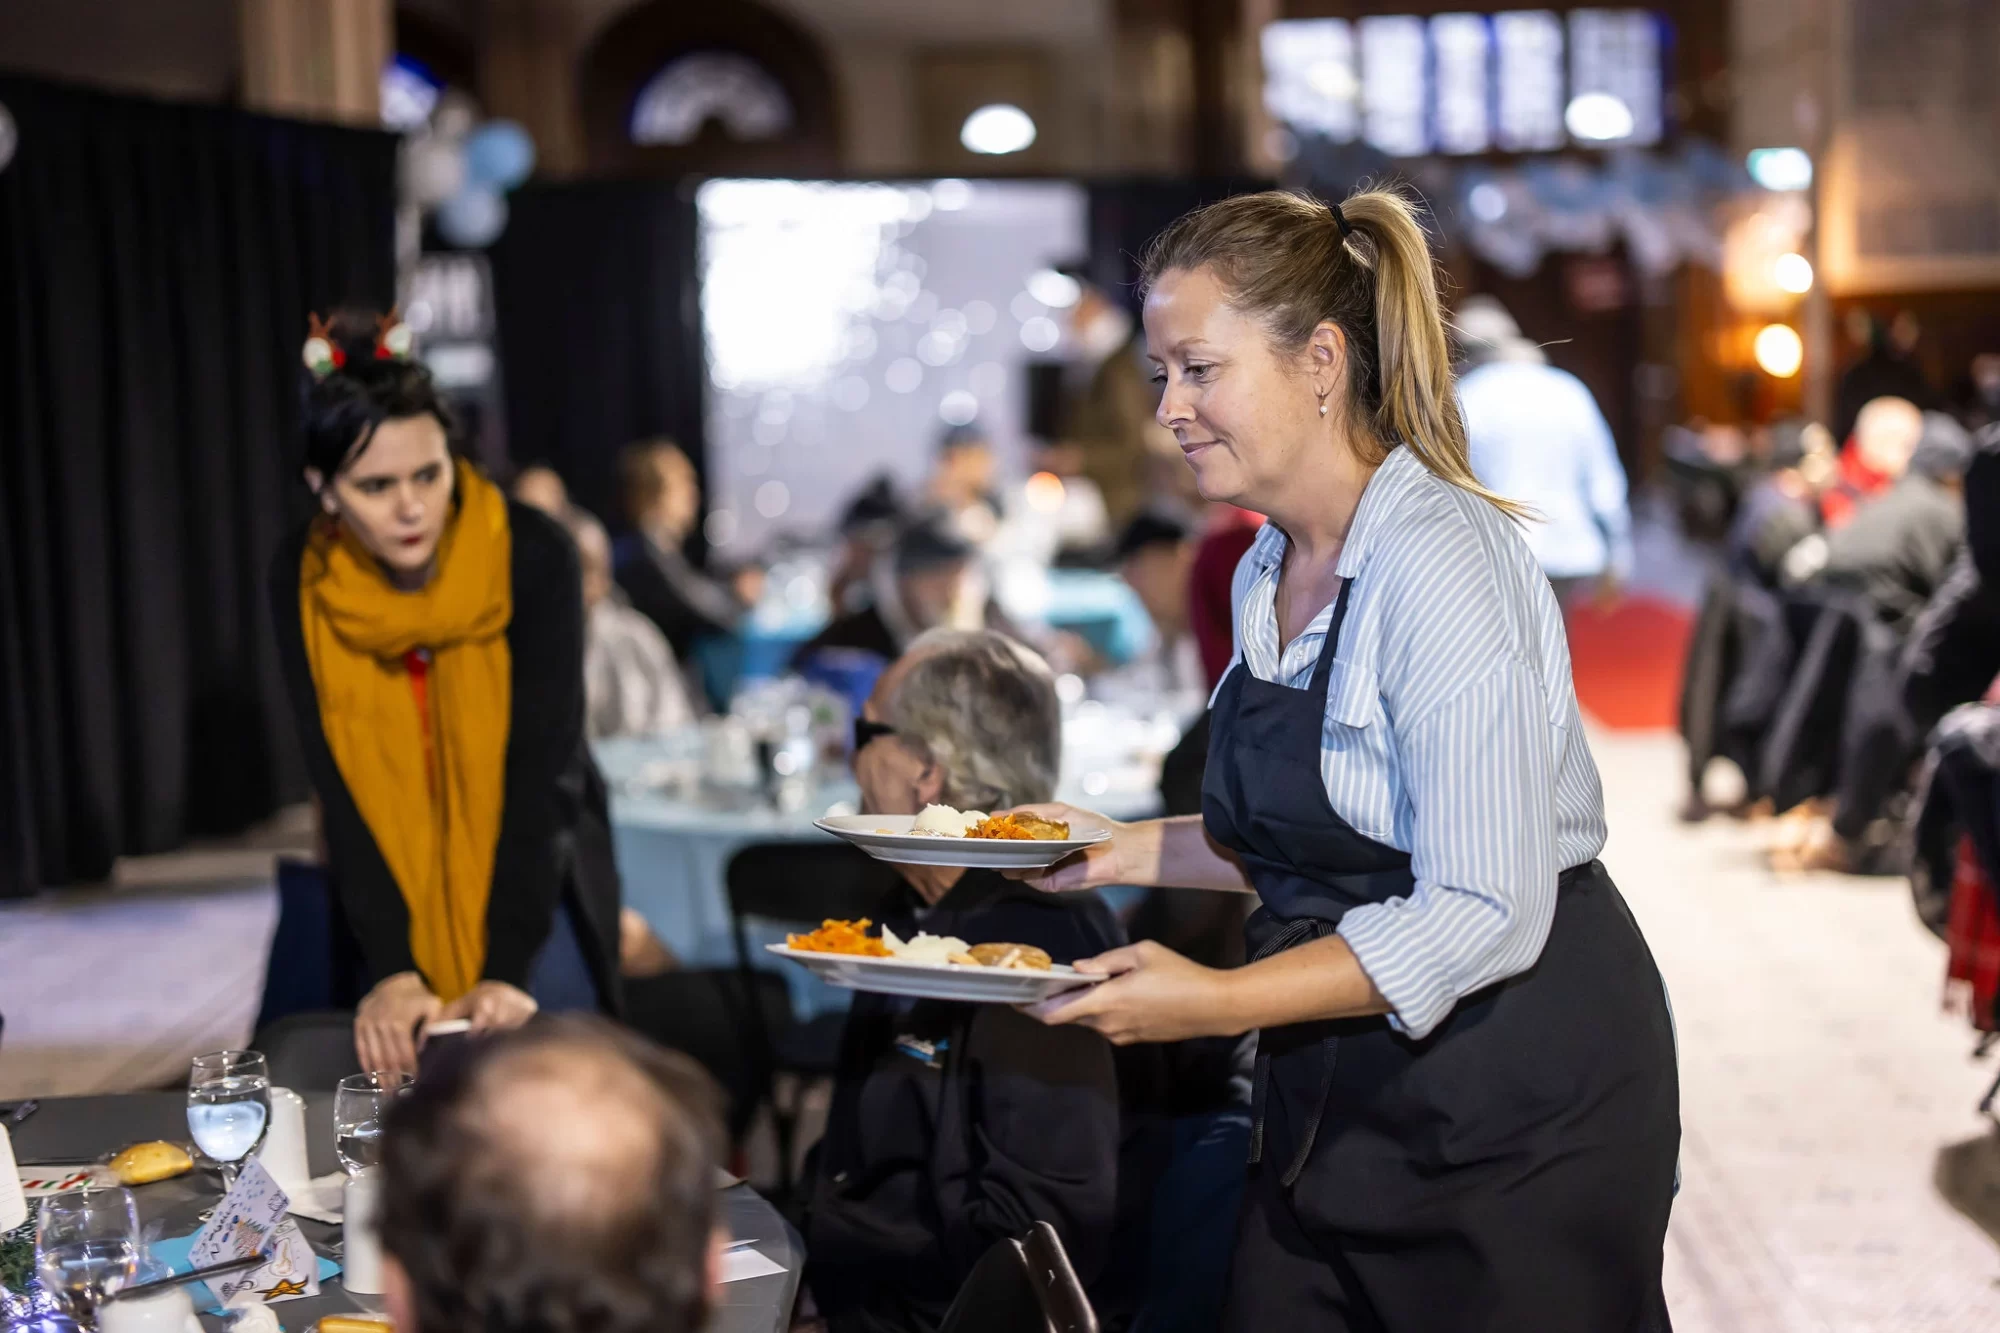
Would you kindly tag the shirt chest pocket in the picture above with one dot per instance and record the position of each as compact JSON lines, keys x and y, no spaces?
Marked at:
{"x":1353,"y":699}
{"x":1355,"y":751}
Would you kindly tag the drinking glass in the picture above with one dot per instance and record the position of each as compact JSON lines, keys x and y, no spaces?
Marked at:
{"x":86,"y":1246}
{"x":360,"y":1104}
{"x":229,"y":1107}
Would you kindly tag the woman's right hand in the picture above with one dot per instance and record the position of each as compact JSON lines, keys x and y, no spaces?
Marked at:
{"x":386,"y":1023}
{"x":1131,"y":855}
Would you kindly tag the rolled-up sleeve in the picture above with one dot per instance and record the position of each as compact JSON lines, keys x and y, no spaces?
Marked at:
{"x":1479,"y":777}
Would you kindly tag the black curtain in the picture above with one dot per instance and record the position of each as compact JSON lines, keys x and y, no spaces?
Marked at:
{"x":157,"y":263}
{"x":598,"y":303}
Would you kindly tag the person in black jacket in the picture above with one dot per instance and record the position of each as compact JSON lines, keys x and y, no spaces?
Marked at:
{"x":953,"y":1125}
{"x":663,"y":503}
{"x":430,"y":633}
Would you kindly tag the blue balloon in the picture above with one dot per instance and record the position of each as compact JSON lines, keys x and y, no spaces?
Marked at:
{"x":499,"y":155}
{"x":472,"y":218}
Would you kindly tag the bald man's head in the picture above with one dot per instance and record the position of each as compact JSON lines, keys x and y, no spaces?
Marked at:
{"x":1886,"y":431}
{"x":559,"y":1178}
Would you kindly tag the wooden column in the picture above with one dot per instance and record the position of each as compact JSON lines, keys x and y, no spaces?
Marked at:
{"x":318,"y":59}
{"x":528,"y":60}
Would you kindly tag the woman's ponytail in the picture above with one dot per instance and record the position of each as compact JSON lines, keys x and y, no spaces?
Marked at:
{"x":1418,"y":404}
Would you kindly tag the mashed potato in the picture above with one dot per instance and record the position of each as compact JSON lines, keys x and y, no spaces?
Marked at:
{"x":944,"y":822}
{"x":926,"y":947}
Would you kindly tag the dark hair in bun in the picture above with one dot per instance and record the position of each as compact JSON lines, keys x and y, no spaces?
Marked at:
{"x":365,"y":387}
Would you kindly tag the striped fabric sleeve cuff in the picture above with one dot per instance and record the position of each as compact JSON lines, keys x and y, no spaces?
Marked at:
{"x":1419,"y":994}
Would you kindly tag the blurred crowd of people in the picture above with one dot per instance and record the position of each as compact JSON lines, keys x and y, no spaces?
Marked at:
{"x":1848,"y":641}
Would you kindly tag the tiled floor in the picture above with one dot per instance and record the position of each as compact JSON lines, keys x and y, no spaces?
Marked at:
{"x":1823,"y":1092}
{"x":1828,"y":1103}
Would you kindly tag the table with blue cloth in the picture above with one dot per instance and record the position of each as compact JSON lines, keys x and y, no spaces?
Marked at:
{"x":1097,"y":606}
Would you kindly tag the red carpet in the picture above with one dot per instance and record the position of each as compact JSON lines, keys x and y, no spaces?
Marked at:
{"x":1627,"y":661}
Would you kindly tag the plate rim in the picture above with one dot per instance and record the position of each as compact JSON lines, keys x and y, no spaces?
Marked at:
{"x":997,"y":845}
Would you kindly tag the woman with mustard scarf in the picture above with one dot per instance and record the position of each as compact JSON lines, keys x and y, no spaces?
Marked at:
{"x":431,"y":634}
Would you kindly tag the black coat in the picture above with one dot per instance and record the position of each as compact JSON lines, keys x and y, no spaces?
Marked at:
{"x":665,"y":587}
{"x":555,"y":837}
{"x":954,"y":1125}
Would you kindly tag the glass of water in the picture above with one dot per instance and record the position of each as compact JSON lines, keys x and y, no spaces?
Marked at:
{"x":229,"y":1106}
{"x":86,"y":1246}
{"x":360,"y":1105}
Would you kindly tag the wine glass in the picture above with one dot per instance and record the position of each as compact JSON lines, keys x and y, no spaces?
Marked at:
{"x":86,"y":1246}
{"x":229,"y":1107}
{"x":360,"y":1104}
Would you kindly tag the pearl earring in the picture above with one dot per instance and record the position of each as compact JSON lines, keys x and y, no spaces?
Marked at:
{"x":1322,"y":408}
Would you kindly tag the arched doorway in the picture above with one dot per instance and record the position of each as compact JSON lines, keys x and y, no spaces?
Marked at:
{"x":671,"y":88}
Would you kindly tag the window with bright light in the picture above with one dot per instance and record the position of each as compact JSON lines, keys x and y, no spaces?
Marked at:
{"x":847,"y":325}
{"x":1395,"y":95}
{"x":1528,"y":49}
{"x":1310,"y":79}
{"x":1517,"y":81}
{"x":710,"y":85}
{"x":1460,"y":47}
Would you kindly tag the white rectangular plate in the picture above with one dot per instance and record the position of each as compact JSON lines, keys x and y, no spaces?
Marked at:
{"x":888,"y":838}
{"x":937,"y":981}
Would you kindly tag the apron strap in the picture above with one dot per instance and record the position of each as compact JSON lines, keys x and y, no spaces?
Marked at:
{"x":1323,"y":669}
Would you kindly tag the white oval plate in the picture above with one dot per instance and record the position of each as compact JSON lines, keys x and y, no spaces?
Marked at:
{"x":888,"y":838}
{"x":937,"y":981}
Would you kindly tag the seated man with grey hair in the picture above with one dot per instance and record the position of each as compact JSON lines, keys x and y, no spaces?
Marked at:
{"x":955,"y":1125}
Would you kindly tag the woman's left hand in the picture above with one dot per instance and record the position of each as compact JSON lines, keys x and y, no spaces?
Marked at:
{"x":1155,"y":994}
{"x":493,"y":1006}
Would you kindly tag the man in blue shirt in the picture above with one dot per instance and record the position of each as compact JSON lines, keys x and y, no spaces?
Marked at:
{"x":1536,"y":435}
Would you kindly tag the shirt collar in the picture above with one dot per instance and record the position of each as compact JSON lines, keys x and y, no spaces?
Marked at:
{"x":1380,"y":499}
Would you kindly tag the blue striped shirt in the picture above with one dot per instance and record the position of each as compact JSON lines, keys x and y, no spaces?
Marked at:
{"x":1451,"y":732}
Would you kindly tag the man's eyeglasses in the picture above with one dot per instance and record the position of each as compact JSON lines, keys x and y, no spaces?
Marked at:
{"x":866,"y":730}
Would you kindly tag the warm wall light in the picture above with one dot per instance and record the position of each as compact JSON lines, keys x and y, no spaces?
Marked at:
{"x":1793,"y":273}
{"x":1779,"y":351}
{"x":999,"y":128}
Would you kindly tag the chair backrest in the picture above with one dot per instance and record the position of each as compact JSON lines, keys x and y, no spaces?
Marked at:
{"x":309,"y":1052}
{"x":805,"y":882}
{"x":313,"y":963}
{"x":998,"y":1296}
{"x":1022,"y":1286}
{"x":1064,"y":1304}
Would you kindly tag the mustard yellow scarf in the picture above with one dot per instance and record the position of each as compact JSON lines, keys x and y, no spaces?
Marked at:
{"x":435,"y":816}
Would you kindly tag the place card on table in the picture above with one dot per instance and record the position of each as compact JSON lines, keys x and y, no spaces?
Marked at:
{"x":291,"y":1272}
{"x":243,"y":1223}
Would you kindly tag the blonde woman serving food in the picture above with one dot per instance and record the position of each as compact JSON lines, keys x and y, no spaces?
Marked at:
{"x":1466,"y":1103}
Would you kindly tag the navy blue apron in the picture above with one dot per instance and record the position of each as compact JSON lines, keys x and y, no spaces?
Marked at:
{"x":1513,"y":1170}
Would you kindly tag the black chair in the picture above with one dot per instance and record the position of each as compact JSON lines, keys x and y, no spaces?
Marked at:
{"x":703,"y":1013}
{"x":309,"y":1052}
{"x":796,"y":884}
{"x":314,"y":964}
{"x":1022,"y":1286}
{"x":1800,"y":756}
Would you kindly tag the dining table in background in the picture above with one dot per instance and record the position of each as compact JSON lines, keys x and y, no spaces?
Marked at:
{"x":83,"y":1129}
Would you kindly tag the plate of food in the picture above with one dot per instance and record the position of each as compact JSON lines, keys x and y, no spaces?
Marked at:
{"x":934,"y":967}
{"x":942,"y":836}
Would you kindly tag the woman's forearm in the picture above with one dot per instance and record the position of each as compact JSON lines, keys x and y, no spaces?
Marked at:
{"x":1185,"y":857}
{"x":1321,"y":979}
